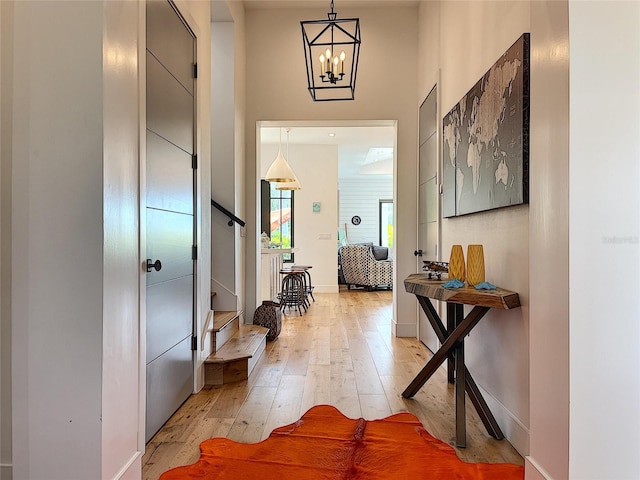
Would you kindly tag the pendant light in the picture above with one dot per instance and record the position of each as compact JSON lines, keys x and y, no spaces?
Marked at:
{"x":295,"y":184}
{"x":331,"y":53}
{"x":280,"y":171}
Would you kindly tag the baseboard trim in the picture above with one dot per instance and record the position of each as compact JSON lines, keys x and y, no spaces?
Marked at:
{"x":326,"y":289}
{"x":125,"y":472}
{"x":512,"y":427}
{"x":6,"y":471}
{"x":405,"y":329}
{"x":533,"y":471}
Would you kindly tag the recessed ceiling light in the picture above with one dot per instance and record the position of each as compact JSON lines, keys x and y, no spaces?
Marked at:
{"x":332,"y":134}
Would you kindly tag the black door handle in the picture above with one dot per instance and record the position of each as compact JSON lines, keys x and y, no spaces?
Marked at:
{"x":151,"y":264}
{"x":418,"y":253}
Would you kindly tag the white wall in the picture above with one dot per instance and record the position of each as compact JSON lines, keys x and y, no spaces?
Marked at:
{"x":360,"y":196}
{"x":223,"y":185}
{"x":73,"y":163}
{"x":57,"y":271}
{"x":549,"y":243}
{"x":497,"y":350}
{"x":280,"y":94}
{"x":604,"y":206}
{"x":6,"y":86}
{"x":315,"y":234}
{"x":428,"y":48}
{"x":236,"y":9}
{"x":121,"y":410}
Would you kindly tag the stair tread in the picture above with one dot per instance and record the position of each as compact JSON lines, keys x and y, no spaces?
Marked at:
{"x":223,"y":318}
{"x":243,"y":344}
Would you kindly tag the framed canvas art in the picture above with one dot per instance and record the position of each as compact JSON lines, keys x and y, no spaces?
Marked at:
{"x":486,"y":139}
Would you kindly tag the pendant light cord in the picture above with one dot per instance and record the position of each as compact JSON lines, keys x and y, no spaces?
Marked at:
{"x":288,"y":143}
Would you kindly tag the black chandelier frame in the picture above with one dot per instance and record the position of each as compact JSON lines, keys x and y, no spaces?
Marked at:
{"x":323,"y":86}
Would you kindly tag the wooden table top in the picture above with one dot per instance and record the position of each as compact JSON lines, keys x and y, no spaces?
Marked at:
{"x":419,"y":284}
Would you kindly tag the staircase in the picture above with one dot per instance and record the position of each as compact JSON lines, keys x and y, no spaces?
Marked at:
{"x":235,"y":347}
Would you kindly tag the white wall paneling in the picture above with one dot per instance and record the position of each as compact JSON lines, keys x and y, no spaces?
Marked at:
{"x":360,"y":196}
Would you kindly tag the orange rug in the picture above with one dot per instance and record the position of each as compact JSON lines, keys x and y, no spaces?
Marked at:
{"x":324,"y":444}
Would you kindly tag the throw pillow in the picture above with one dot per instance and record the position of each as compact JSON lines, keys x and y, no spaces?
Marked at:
{"x":380,"y":253}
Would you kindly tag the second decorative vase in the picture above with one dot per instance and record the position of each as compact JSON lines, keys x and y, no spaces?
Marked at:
{"x":475,"y":264}
{"x":456,"y":263}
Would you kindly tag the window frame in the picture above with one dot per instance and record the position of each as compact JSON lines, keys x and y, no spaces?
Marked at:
{"x":380,"y":203}
{"x":267,"y":198}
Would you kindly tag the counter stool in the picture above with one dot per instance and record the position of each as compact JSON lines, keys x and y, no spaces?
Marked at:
{"x":308,"y":286}
{"x":293,"y":291}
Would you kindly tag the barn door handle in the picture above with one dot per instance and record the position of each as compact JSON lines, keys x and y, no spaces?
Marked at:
{"x":151,"y":265}
{"x":417,"y":253}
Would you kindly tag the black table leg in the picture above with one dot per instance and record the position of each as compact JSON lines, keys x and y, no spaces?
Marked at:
{"x":446,"y":349}
{"x":479,"y":403}
{"x":471,"y":387}
{"x":461,"y":418}
{"x":451,"y":324}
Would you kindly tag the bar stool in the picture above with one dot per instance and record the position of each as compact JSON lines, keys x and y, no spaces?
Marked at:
{"x":308,"y":285}
{"x":293,"y":292}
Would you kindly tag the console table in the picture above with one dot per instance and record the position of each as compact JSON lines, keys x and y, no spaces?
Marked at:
{"x":452,"y":342}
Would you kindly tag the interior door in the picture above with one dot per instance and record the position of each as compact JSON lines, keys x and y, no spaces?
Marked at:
{"x":170,"y":212}
{"x":428,"y":198}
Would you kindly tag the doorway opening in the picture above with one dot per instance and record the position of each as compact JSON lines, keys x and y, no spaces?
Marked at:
{"x":345,"y":168}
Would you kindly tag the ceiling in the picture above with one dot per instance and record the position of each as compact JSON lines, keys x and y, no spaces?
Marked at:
{"x":354,"y":143}
{"x":220,"y":11}
{"x":253,"y":4}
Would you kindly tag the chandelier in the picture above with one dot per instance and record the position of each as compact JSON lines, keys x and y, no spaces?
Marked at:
{"x":331,"y":53}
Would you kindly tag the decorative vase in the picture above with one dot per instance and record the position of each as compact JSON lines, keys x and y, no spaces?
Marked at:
{"x":456,"y":263}
{"x":264,"y":240}
{"x":475,"y":264}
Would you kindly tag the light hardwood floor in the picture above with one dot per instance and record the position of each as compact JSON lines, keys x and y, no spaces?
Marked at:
{"x":342,"y":353}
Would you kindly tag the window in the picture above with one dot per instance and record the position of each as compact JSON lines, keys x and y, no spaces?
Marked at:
{"x":277,"y":216}
{"x":386,"y":223}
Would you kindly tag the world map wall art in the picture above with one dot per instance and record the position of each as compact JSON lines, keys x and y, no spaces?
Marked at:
{"x":486,"y":139}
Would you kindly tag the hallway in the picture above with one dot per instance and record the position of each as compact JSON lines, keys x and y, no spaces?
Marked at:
{"x":342,"y":353}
